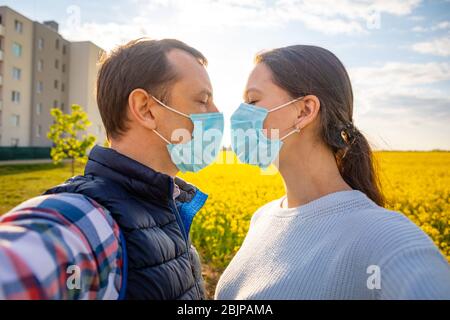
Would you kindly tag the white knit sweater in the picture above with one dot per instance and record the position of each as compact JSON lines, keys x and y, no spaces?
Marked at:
{"x":341,"y":246}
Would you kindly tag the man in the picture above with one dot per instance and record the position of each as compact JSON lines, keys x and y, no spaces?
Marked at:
{"x":122,"y":229}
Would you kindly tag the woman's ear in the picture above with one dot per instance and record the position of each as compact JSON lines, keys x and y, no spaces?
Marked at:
{"x":308,"y":109}
{"x":141,"y":108}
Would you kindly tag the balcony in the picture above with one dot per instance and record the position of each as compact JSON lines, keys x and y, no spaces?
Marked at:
{"x":2,"y":30}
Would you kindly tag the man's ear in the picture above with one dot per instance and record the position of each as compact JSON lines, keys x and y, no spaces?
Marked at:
{"x":141,"y":109}
{"x":308,"y":109}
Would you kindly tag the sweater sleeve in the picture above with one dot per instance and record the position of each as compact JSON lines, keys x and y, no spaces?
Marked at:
{"x":415,"y":273}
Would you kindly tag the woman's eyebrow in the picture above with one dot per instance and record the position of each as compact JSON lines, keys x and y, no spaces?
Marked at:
{"x":246,"y":92}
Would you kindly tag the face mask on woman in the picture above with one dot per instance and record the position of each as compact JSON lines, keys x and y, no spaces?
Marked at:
{"x":248,"y":140}
{"x":204,"y":145}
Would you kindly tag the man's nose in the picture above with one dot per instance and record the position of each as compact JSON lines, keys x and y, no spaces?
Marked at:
{"x":214,"y":108}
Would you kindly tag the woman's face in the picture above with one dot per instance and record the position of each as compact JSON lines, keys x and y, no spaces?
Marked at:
{"x":263,"y":92}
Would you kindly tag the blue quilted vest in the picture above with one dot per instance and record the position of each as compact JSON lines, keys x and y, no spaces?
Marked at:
{"x":161,"y":261}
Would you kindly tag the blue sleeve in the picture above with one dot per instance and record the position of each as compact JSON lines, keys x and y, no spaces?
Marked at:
{"x":416,"y":274}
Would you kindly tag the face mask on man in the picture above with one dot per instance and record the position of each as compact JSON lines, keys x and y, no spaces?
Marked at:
{"x":204,"y":145}
{"x":248,"y":140}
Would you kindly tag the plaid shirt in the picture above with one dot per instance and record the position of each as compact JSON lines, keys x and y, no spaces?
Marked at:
{"x":63,"y":246}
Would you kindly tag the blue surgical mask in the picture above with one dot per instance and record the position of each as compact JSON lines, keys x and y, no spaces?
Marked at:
{"x":204,"y":145}
{"x":248,"y":140}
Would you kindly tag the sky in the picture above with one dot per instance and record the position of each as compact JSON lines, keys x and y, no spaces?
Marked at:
{"x":397,"y":52}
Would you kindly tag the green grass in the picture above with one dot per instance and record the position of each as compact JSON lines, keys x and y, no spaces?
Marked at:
{"x":21,"y":182}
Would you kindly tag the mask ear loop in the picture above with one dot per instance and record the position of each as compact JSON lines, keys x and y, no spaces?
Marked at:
{"x":285,"y":104}
{"x":296,"y":130}
{"x":160,"y":135}
{"x":171,"y":109}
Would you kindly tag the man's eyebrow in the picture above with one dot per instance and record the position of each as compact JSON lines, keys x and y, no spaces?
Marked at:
{"x":205,"y":91}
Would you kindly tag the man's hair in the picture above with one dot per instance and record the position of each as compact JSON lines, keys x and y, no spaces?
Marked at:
{"x":141,"y":63}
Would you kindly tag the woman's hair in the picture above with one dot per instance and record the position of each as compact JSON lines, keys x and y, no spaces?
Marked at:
{"x":302,"y":70}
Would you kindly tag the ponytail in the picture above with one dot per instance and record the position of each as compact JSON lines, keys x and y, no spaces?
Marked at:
{"x":357,"y":165}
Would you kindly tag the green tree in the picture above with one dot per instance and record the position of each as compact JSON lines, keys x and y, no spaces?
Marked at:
{"x":66,"y":132}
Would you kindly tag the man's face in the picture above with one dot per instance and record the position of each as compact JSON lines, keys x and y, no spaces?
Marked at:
{"x":191,"y":93}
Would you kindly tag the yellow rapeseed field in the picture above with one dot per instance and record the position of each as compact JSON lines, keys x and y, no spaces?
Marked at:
{"x":415,"y":183}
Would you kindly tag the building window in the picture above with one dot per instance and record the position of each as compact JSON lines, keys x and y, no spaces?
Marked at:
{"x":40,"y":43}
{"x":15,"y":96}
{"x":64,"y":49}
{"x":62,"y":106}
{"x":40,"y":87}
{"x":57,"y":44}
{"x":40,"y":65}
{"x":56,"y":63}
{"x":63,"y":87}
{"x":16,"y":73}
{"x":38,"y":131}
{"x":14,"y":142}
{"x":55,"y":103}
{"x":18,"y":26}
{"x":17,"y":49}
{"x":38,"y":108}
{"x":56,"y":84}
{"x":63,"y":68}
{"x":15,"y":120}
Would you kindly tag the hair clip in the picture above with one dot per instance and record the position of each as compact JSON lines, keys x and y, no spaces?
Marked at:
{"x":344,"y":136}
{"x":348,"y":134}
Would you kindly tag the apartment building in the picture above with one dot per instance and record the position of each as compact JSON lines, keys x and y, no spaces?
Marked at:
{"x":16,"y":41}
{"x":40,"y":70}
{"x":50,"y":79}
{"x":84,"y":59}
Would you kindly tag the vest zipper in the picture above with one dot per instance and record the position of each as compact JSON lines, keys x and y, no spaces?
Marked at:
{"x":186,"y":238}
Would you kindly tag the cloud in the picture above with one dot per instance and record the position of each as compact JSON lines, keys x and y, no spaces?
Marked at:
{"x":444,"y":25}
{"x":438,"y":47}
{"x":419,"y":29}
{"x":399,"y":106}
{"x":184,"y":17}
{"x":400,"y":87}
{"x":440,"y":26}
{"x":395,"y":102}
{"x":401,"y":74}
{"x":416,"y":18}
{"x":399,"y":103}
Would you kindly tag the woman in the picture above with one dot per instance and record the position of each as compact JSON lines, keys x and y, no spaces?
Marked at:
{"x":329,"y":237}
